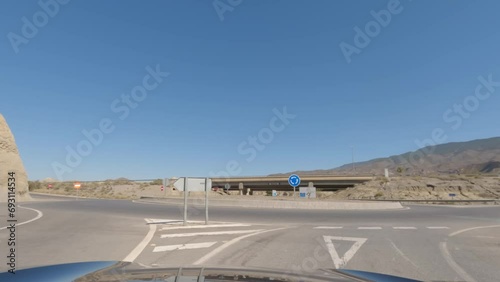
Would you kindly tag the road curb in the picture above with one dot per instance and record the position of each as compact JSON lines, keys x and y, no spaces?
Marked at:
{"x":311,"y":205}
{"x":59,"y":195}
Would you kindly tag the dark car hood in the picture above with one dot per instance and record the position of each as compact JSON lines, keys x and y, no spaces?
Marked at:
{"x":126,"y":271}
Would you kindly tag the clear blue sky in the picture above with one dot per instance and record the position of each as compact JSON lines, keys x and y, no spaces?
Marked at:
{"x":227,"y":76}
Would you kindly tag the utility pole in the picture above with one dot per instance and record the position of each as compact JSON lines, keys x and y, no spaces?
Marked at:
{"x":185,"y":200}
{"x":207,"y":190}
{"x":352,"y":154}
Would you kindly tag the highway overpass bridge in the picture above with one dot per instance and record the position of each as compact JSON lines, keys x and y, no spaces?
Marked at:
{"x":280,"y":183}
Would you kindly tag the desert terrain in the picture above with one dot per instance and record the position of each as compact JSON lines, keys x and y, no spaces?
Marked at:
{"x":380,"y":188}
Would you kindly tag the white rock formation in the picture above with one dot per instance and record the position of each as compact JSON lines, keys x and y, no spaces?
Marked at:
{"x":10,"y":161}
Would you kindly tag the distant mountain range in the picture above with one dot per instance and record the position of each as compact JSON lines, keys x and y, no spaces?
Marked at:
{"x":477,"y":156}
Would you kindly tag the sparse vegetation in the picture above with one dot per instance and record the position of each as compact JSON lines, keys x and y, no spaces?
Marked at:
{"x":156,"y":182}
{"x":119,"y":181}
{"x":34,"y":185}
{"x":399,"y":170}
{"x":382,"y":180}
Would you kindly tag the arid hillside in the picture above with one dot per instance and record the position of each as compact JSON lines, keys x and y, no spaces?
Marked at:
{"x":473,"y":157}
{"x":425,"y":188}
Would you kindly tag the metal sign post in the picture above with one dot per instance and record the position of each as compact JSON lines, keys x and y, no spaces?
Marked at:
{"x":185,"y":201}
{"x":294,"y":181}
{"x":207,"y":189}
{"x":166,"y":183}
{"x":77,"y":186}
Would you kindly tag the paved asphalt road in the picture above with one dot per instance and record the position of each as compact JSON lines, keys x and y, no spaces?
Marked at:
{"x":421,"y":242}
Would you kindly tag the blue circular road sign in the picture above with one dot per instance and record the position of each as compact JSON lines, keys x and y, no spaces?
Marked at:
{"x":294,"y":180}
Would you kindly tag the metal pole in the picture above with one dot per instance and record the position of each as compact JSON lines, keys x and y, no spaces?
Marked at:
{"x":165,"y":183}
{"x":294,"y":192}
{"x":185,"y":201}
{"x":352,"y":153}
{"x":206,"y":200}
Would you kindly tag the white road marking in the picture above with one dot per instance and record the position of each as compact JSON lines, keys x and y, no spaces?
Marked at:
{"x":437,"y":227}
{"x":219,"y":249}
{"x":487,"y":237}
{"x":164,"y":221}
{"x":472,"y":228}
{"x":449,"y":259}
{"x":328,"y":227}
{"x":39,"y":215}
{"x":139,"y":248}
{"x":205,"y":226}
{"x":183,"y":247}
{"x":339,"y":262}
{"x":207,"y":233}
{"x":404,"y":227}
{"x":177,"y":222}
{"x":370,"y":228}
{"x":143,"y":265}
{"x":144,"y":202}
{"x":453,"y":264}
{"x":402,"y":254}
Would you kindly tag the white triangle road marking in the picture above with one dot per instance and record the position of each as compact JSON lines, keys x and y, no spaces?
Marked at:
{"x":338,"y":261}
{"x":183,"y":247}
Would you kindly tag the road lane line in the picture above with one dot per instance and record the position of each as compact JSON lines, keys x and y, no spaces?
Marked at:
{"x":328,"y":227}
{"x":404,"y":227}
{"x":472,"y":228}
{"x":139,"y":248}
{"x":228,"y":244}
{"x":370,"y":228}
{"x":184,"y":247}
{"x":437,"y":227}
{"x":39,"y":215}
{"x":176,"y":235}
{"x":486,"y":237}
{"x":402,"y":254}
{"x":180,"y":222}
{"x":449,"y":259}
{"x":205,"y":226}
{"x":163,"y":221}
